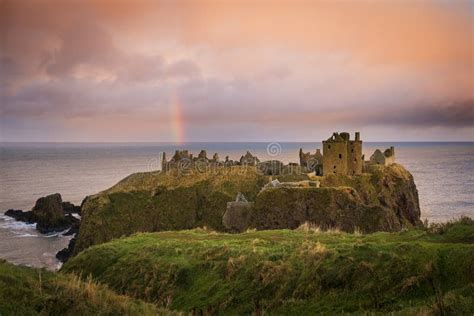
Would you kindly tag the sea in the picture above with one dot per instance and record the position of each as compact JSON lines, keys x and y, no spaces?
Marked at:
{"x":443,"y":172}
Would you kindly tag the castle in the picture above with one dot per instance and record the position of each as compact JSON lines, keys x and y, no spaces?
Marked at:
{"x":341,"y":155}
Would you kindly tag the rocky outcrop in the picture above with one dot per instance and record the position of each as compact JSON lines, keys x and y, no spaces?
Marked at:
{"x":384,"y":200}
{"x":50,"y":214}
{"x":64,"y":254}
{"x":21,"y":216}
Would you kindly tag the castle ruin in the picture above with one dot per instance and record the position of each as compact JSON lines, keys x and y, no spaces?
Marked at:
{"x":386,"y":158}
{"x":341,"y":155}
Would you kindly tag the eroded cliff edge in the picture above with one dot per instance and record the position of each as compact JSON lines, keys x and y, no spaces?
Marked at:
{"x":386,"y":199}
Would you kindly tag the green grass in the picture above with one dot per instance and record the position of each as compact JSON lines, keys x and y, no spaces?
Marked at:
{"x":295,"y":272}
{"x":28,"y":291}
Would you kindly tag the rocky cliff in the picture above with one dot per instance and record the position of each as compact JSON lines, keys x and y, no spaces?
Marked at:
{"x":385,"y":199}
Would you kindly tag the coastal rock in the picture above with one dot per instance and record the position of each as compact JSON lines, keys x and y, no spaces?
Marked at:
{"x":64,"y":254}
{"x":70,"y":208}
{"x":21,"y":216}
{"x":75,"y":224}
{"x":49,"y":214}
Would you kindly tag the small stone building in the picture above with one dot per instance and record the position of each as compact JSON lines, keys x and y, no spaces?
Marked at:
{"x":386,"y":158}
{"x":249,"y":159}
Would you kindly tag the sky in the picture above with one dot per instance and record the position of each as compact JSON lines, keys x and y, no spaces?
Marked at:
{"x":180,"y":71}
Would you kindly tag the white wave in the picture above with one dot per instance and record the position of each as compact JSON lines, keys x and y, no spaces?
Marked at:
{"x":51,"y":235}
{"x":9,"y":223}
{"x":76,"y":215}
{"x":26,"y":235}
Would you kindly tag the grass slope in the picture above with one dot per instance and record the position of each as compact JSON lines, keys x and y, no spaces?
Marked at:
{"x":303,"y":271}
{"x":28,"y":291}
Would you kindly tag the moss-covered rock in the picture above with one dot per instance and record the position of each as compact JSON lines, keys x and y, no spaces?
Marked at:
{"x":383,"y":200}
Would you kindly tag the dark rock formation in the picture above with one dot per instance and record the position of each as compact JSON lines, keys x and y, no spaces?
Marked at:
{"x":70,"y":208}
{"x":75,"y":223}
{"x":21,"y":216}
{"x":64,"y":254}
{"x":51,"y":215}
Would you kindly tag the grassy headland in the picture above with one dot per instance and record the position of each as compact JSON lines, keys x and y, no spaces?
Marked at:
{"x":384,"y":200}
{"x":302,"y":271}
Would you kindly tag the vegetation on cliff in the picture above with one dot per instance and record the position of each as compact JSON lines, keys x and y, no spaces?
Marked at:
{"x":303,"y":271}
{"x":146,"y":202}
{"x":28,"y":291}
{"x":157,"y":201}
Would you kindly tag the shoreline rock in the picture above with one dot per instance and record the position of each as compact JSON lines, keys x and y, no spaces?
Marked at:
{"x":21,"y":216}
{"x":64,"y":254}
{"x":50,"y":214}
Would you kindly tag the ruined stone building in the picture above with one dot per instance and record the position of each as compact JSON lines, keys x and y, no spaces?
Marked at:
{"x":341,"y":155}
{"x":249,"y":159}
{"x":312,"y":162}
{"x":386,"y":158}
{"x":183,"y":159}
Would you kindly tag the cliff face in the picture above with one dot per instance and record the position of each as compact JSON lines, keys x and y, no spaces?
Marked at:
{"x":163,"y":201}
{"x":385,"y":199}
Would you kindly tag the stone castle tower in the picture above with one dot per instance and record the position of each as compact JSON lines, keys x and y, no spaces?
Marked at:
{"x":342,"y":155}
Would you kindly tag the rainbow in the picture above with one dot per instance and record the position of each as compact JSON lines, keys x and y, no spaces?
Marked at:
{"x":177,"y":119}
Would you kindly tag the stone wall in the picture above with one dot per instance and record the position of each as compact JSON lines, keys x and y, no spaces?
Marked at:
{"x":335,"y":155}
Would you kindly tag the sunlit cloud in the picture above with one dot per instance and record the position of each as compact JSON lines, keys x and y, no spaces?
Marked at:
{"x":192,"y":71}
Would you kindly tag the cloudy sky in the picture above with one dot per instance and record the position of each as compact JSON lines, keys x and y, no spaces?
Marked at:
{"x":233,"y":70}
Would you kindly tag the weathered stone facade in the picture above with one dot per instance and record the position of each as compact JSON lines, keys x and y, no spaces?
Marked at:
{"x":386,"y":158}
{"x":312,"y":162}
{"x":182,"y":159}
{"x":341,"y":155}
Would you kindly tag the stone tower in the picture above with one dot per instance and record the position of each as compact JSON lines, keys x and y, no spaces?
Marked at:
{"x":342,"y":155}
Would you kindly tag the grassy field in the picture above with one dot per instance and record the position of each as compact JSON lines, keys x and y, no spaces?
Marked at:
{"x":297,"y":272}
{"x":27,"y":291}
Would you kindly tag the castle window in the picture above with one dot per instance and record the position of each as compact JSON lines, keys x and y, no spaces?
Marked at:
{"x":329,"y":146}
{"x":340,"y":156}
{"x":334,"y":167}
